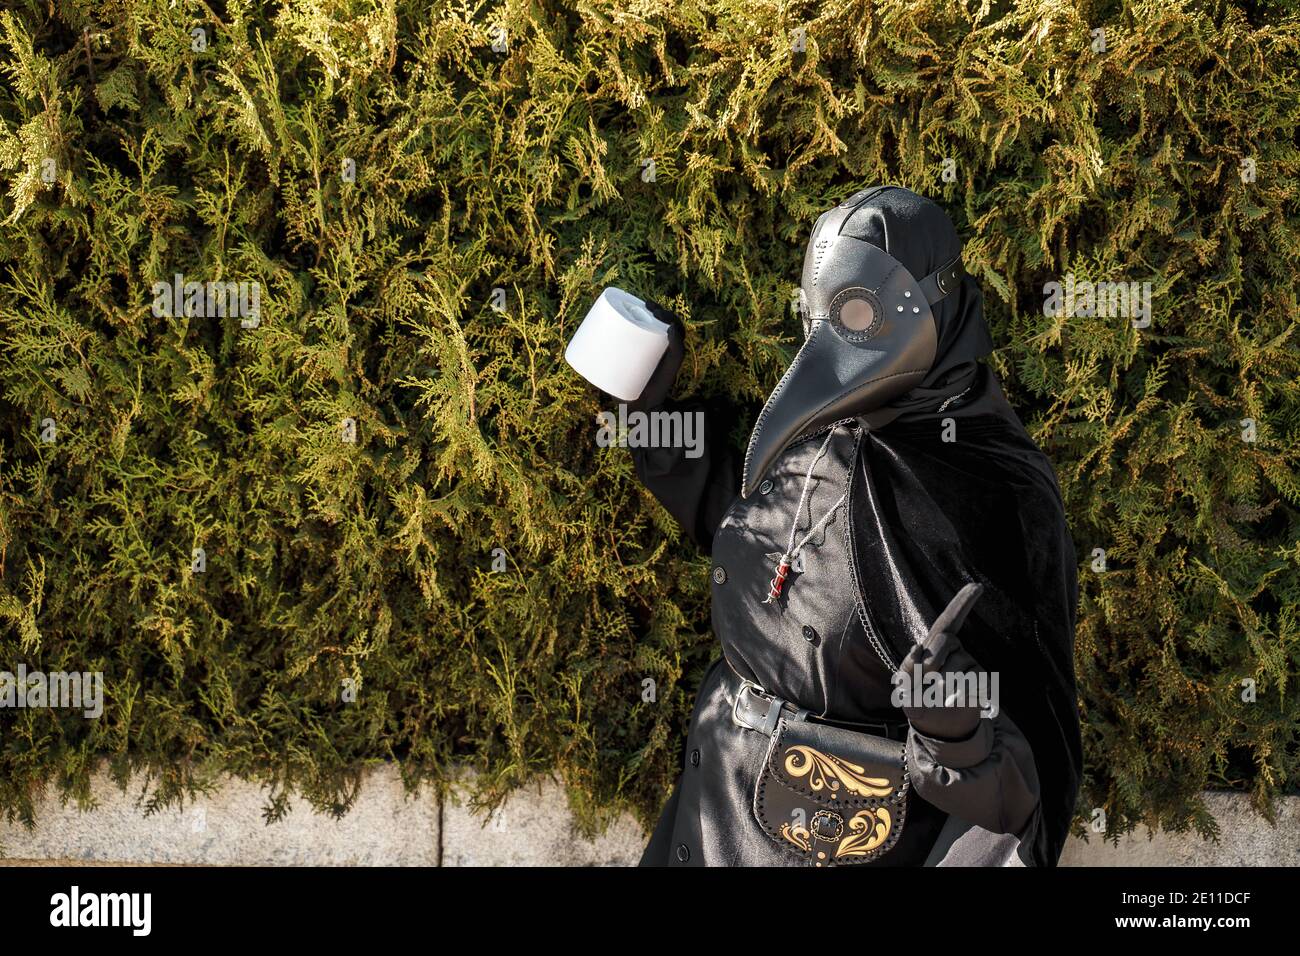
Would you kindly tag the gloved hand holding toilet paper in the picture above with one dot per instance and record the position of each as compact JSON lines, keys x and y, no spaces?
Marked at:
{"x":628,"y":347}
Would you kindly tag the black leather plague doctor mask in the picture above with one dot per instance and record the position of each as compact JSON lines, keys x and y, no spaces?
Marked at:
{"x":870,"y":336}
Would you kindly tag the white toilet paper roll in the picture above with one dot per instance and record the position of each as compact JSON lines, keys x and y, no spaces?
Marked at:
{"x":618,"y":344}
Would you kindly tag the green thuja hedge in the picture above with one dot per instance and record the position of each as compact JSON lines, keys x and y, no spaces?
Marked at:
{"x":380,"y":167}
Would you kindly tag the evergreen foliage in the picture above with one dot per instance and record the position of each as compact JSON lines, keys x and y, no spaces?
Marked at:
{"x":227,"y":159}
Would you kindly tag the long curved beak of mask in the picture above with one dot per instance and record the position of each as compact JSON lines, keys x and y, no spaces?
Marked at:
{"x":872,"y":339}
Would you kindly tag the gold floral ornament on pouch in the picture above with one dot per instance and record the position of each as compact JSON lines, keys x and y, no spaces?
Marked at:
{"x":831,"y":795}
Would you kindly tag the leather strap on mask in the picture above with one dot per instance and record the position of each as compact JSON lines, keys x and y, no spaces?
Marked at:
{"x":943,"y":280}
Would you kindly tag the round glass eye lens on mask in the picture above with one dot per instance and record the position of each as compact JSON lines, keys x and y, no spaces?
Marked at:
{"x":857,"y":315}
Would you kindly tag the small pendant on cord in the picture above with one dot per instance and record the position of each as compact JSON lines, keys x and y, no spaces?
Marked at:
{"x":778,"y":582}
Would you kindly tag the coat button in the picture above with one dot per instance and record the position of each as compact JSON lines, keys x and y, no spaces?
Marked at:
{"x":695,"y":758}
{"x":809,"y":634}
{"x":765,"y":487}
{"x":719,"y":575}
{"x":683,"y":854}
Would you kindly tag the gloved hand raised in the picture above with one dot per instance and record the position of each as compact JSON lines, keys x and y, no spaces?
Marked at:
{"x":942,"y":653}
{"x":661,"y":381}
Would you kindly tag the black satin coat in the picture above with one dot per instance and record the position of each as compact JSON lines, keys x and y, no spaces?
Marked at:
{"x":924,"y":516}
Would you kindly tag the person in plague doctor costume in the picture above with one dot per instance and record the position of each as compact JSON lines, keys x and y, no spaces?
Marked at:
{"x":897,"y":535}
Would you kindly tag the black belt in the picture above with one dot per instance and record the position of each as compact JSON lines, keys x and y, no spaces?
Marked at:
{"x":755,"y":709}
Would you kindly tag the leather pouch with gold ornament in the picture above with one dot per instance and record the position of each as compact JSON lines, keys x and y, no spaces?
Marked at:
{"x":831,"y":795}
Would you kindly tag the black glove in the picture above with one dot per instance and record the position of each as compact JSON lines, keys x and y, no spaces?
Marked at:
{"x":941,"y":653}
{"x":661,"y":381}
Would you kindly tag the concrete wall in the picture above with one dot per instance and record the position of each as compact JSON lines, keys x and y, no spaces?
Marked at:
{"x":1245,"y":839}
{"x":385,"y":827}
{"x":228,"y":828}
